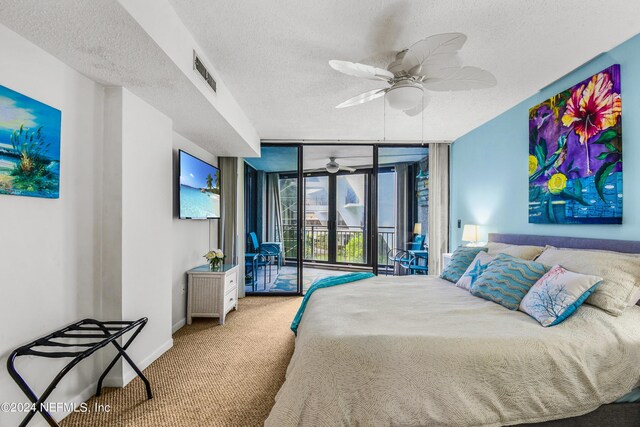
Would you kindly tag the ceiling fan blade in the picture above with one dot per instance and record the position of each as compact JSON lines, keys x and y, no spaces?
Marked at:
{"x":439,"y":65}
{"x":419,"y":52}
{"x":347,"y":168}
{"x":463,"y":78}
{"x":361,"y":70}
{"x":418,"y":108}
{"x":363,"y":97}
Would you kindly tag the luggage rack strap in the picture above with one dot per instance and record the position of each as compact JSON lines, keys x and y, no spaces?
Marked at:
{"x":111,"y":331}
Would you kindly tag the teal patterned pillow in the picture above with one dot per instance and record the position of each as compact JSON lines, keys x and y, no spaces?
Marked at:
{"x":507,"y":280}
{"x":460,"y":261}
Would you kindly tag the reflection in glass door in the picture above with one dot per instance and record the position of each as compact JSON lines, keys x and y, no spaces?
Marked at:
{"x":316,"y":221}
{"x":336,"y":217}
{"x":351,"y":218}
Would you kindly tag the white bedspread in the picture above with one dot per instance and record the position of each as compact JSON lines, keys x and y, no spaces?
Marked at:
{"x":418,"y":351}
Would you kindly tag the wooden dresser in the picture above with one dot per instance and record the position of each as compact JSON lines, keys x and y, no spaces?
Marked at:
{"x":212,"y":293}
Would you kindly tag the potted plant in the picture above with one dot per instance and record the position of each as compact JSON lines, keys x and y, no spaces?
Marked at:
{"x":215,"y":259}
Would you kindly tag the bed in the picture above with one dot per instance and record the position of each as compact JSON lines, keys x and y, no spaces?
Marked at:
{"x":420,"y":351}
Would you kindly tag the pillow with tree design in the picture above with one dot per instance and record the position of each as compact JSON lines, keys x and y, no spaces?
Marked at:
{"x":557,"y":295}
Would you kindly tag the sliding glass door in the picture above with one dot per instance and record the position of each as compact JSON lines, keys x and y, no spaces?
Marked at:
{"x":271,"y":222}
{"x":337,"y":203}
{"x":403,"y":208}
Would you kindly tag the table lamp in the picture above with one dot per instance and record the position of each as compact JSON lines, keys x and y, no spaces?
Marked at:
{"x":470,"y":234}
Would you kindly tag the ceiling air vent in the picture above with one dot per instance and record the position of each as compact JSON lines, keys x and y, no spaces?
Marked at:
{"x":202,"y":70}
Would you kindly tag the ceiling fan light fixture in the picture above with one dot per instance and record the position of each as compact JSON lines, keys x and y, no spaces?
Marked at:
{"x":332,"y":166}
{"x":404,"y":95}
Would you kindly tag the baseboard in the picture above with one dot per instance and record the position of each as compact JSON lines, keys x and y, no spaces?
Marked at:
{"x":76,"y":401}
{"x":179,"y":324}
{"x":130,"y":374}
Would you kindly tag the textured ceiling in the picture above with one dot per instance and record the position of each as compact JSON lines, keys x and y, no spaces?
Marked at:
{"x":273,"y":56}
{"x":101,"y":40}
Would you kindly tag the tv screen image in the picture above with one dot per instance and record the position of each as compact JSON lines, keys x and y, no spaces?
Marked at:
{"x":199,"y":188}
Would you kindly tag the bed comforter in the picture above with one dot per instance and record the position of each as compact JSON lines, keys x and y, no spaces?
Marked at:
{"x":418,"y":351}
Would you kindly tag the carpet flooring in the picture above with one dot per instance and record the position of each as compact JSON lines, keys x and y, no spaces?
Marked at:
{"x":213,"y":376}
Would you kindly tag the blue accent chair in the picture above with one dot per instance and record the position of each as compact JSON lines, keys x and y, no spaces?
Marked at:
{"x":418,"y":242}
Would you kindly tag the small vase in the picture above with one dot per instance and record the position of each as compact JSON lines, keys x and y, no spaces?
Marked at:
{"x":214,"y":266}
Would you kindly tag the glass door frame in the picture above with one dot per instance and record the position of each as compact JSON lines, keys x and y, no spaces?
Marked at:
{"x":372,"y":216}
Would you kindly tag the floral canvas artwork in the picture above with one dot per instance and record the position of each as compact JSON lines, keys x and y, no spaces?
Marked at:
{"x":29,"y":146}
{"x":575,"y":154}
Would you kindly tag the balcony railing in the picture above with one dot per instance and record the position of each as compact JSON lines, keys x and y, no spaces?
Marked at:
{"x":350,"y":242}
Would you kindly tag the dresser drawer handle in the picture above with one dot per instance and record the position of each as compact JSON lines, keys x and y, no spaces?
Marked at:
{"x":231,"y":281}
{"x":230,"y":299}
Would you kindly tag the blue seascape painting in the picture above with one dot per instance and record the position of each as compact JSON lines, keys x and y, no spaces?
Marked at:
{"x":199,"y":188}
{"x":29,"y":146}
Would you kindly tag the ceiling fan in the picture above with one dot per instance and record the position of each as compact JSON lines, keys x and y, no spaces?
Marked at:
{"x":334,"y":167}
{"x":432,"y":64}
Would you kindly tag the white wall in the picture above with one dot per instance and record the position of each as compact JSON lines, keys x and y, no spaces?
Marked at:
{"x":110,"y":246}
{"x":191,"y":238}
{"x":147,"y":139}
{"x":49,"y":248}
{"x":136,"y":221}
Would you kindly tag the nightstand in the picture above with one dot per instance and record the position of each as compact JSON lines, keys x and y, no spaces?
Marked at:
{"x":212,"y":293}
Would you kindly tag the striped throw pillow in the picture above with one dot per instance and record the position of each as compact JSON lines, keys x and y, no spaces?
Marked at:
{"x":460,"y":261}
{"x":507,"y":280}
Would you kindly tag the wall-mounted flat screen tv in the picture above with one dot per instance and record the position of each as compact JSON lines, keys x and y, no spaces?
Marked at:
{"x":199,"y":188}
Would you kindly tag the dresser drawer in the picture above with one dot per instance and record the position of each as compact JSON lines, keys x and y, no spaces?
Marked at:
{"x":230,"y":301}
{"x":230,"y":282}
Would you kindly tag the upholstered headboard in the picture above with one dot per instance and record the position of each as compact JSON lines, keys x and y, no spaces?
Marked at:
{"x":626,"y":246}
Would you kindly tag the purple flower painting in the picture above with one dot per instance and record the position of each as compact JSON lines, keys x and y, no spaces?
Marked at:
{"x":575,"y":154}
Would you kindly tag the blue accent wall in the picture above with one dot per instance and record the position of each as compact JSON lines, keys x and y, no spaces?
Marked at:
{"x":489,"y":165}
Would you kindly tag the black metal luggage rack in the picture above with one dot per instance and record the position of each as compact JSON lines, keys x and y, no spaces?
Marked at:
{"x":99,"y":334}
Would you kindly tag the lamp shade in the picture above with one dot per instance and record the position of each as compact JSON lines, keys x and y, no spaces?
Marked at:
{"x":417,"y":228}
{"x":470,"y":233}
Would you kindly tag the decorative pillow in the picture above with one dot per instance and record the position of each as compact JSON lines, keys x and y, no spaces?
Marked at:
{"x":635,"y":300}
{"x":620,"y":273}
{"x":557,"y":295}
{"x":460,"y":260}
{"x":507,"y":280}
{"x":519,"y":251}
{"x":476,"y":268}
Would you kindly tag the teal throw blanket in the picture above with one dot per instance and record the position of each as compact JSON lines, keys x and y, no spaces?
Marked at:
{"x":325,"y":282}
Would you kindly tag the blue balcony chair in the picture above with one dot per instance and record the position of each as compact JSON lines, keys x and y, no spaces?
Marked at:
{"x":415,"y":265}
{"x":402,"y":257}
{"x":269,"y":249}
{"x":252,"y":269}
